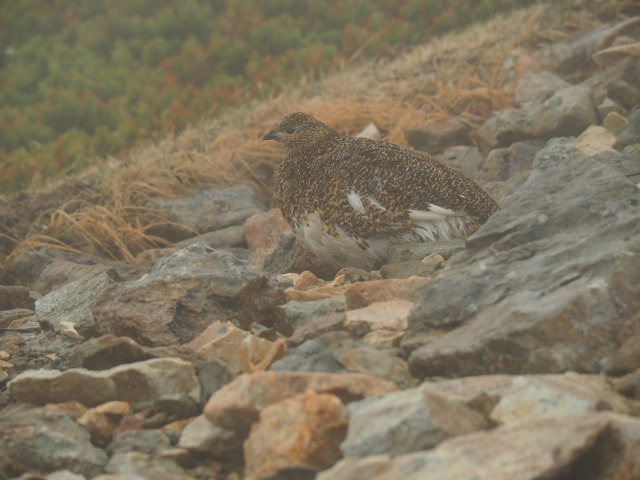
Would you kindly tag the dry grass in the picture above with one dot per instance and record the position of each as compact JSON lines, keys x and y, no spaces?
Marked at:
{"x":459,"y":74}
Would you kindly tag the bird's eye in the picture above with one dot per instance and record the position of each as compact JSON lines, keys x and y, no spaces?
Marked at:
{"x":290,"y":130}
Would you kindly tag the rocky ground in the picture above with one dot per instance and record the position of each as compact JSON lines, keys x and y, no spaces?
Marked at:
{"x":235,"y":355}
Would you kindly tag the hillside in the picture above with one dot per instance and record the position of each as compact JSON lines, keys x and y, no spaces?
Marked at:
{"x":159,"y":320}
{"x":105,"y":211}
{"x":82,"y":81}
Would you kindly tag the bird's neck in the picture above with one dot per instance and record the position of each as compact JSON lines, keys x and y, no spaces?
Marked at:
{"x":316,"y":147}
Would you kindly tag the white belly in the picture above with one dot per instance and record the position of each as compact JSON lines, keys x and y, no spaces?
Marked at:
{"x":344,"y":251}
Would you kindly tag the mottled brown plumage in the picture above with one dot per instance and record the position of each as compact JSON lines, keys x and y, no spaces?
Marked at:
{"x":349,"y":198}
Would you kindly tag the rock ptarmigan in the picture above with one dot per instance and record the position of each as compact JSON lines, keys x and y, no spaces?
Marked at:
{"x":348,"y":198}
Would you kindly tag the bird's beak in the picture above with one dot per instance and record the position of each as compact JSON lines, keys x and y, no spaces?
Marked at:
{"x":270,"y":136}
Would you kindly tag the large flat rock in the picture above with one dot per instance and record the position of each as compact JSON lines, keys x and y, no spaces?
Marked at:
{"x":545,"y":285}
{"x":183,"y":294}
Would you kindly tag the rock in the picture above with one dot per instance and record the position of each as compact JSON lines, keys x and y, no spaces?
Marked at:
{"x":625,"y":431}
{"x":307,"y":280}
{"x":574,"y":54}
{"x":300,"y":431}
{"x":504,"y":163}
{"x":285,"y":258}
{"x":233,"y":236}
{"x":14,"y":297}
{"x":106,"y":352}
{"x":389,"y":315}
{"x":607,"y":156}
{"x":354,"y":468}
{"x":621,"y":92}
{"x":631,"y":134}
{"x":238,"y":349}
{"x":68,"y":329}
{"x":317,"y":327}
{"x":406,"y":421}
{"x":438,"y":136}
{"x":628,"y":385}
{"x":337,"y":352}
{"x":145,"y":465}
{"x":114,"y":410}
{"x":370,"y":131}
{"x":500,"y":191}
{"x":72,"y":409}
{"x":61,"y":272}
{"x":132,"y":476}
{"x":607,"y":107}
{"x":503,"y":128}
{"x":349,"y":275}
{"x":43,"y":440}
{"x":143,"y":384}
{"x":523,"y":295}
{"x":10,"y":318}
{"x":576,"y":446}
{"x":539,"y":85}
{"x":141,"y":441}
{"x":463,"y":158}
{"x":360,"y":295}
{"x":565,"y":113}
{"x":610,"y":55}
{"x":74,"y":302}
{"x":204,"y":440}
{"x":407,"y":252}
{"x":615,"y":123}
{"x":315,"y":294}
{"x":414,"y":268}
{"x":561,"y":395}
{"x":629,"y":165}
{"x":384,"y":339}
{"x":64,"y":475}
{"x":627,"y":358}
{"x":290,"y":257}
{"x":264,"y":229}
{"x":480,"y":393}
{"x":595,"y":139}
{"x":213,"y":375}
{"x":183,"y":294}
{"x":145,"y":259}
{"x":297,"y":314}
{"x":238,"y":404}
{"x":26,"y":266}
{"x":99,"y":426}
{"x":211,"y":209}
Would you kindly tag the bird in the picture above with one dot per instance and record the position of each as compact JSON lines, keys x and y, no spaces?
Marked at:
{"x":348,"y":199}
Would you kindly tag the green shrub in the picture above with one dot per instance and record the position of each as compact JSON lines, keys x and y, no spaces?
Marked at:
{"x":79,"y":80}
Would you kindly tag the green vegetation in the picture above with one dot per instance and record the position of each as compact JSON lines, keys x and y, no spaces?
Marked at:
{"x":84,"y":79}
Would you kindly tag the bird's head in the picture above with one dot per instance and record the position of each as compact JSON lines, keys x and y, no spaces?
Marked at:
{"x":299,"y":132}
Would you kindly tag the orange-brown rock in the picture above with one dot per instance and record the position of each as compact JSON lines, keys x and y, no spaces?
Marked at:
{"x":302,"y":431}
{"x":361,"y":294}
{"x":238,"y":404}
{"x":265,"y":228}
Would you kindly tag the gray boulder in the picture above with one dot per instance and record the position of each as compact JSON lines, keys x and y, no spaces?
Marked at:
{"x":73,"y":303}
{"x":44,"y":440}
{"x":545,"y":285}
{"x":183,"y":294}
{"x":566,"y":112}
{"x":213,"y":208}
{"x":406,"y":421}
